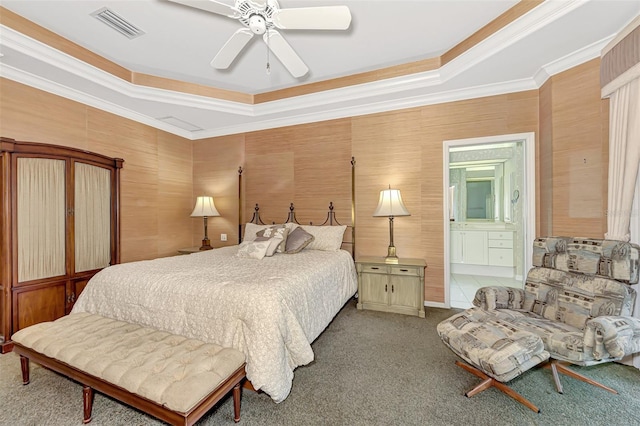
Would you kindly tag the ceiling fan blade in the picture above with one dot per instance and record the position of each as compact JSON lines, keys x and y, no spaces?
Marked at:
{"x":285,"y":53}
{"x":232,"y":49}
{"x":211,"y":6}
{"x":313,"y":18}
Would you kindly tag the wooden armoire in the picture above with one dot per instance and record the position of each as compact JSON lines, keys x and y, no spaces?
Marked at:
{"x":59,"y":226}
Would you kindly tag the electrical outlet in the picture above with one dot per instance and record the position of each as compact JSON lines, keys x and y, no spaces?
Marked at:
{"x":223,"y":237}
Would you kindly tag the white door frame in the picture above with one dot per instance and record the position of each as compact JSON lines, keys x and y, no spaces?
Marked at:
{"x":529,"y":198}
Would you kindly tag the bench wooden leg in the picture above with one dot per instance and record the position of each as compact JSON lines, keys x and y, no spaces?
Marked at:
{"x":87,"y":400}
{"x":24,"y":366}
{"x":236,"y":403}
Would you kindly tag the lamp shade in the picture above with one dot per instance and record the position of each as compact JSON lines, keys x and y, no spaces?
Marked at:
{"x":390,"y":204}
{"x":204,"y":207}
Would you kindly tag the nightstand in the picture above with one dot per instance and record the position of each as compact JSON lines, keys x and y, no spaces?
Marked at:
{"x":387,"y":287}
{"x":189,"y":250}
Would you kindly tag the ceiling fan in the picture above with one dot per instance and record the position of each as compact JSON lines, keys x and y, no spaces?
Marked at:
{"x":264,"y":17}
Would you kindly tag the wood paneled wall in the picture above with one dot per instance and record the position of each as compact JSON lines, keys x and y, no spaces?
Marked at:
{"x":215,"y":173}
{"x":310,"y":165}
{"x":156,"y":181}
{"x":404,"y":149}
{"x":574,"y":153}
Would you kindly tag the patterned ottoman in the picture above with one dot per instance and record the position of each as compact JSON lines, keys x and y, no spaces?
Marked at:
{"x":496,"y":349}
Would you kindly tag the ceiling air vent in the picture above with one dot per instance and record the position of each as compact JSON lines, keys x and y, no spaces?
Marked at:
{"x":117,"y":22}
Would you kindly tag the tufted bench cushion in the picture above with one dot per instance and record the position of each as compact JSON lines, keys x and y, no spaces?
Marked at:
{"x":173,"y":371}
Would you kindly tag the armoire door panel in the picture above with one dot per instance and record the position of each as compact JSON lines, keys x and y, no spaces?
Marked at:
{"x":92,"y":217}
{"x":40,"y":304}
{"x":41,"y":224}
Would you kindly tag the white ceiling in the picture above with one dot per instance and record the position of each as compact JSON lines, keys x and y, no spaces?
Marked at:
{"x":179,"y":43}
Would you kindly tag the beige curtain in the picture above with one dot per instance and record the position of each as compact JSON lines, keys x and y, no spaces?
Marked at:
{"x":41,"y":218}
{"x":624,"y":158}
{"x":620,"y":81}
{"x":92,"y":217}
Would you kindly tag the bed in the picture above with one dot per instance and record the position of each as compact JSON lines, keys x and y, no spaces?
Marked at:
{"x":270,"y":308}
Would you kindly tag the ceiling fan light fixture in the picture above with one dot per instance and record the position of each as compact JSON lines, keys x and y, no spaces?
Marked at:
{"x":257,"y":24}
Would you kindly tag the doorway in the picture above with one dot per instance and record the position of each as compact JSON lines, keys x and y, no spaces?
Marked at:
{"x":489,"y":213}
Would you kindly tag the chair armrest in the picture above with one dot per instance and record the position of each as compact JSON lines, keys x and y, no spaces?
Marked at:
{"x":494,"y":297}
{"x":612,"y":336}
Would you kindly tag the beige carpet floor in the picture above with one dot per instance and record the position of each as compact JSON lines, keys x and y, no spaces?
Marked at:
{"x":371,"y":368}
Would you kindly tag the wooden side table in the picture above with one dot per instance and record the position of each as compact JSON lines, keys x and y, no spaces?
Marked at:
{"x":395,"y":288}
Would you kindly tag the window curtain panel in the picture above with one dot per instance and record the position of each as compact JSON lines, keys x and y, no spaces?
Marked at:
{"x":620,"y":81}
{"x":41,"y":202}
{"x":624,"y":158}
{"x":92,"y":217}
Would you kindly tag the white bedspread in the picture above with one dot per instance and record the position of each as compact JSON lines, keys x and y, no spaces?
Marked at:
{"x":270,"y":309}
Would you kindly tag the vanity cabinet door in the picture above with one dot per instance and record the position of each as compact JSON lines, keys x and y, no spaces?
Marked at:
{"x":475,"y":247}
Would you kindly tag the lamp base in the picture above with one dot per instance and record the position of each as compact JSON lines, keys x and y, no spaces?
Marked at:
{"x":391,"y":256}
{"x":206,"y":245}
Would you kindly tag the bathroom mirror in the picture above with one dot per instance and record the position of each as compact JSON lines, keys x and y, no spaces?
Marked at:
{"x":479,"y":193}
{"x":483,"y":182}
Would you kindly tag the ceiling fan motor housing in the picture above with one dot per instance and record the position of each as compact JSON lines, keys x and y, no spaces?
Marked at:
{"x":257,"y":20}
{"x":257,"y":24}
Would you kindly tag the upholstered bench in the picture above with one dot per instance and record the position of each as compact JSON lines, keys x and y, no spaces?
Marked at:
{"x":171,"y":377}
{"x":498,"y":350}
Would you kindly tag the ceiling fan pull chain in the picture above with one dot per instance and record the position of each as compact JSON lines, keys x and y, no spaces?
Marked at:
{"x":268,"y":64}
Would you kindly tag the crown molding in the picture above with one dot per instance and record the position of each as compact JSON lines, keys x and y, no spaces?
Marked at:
{"x":31,"y":80}
{"x":377,"y":107}
{"x":367,"y":98}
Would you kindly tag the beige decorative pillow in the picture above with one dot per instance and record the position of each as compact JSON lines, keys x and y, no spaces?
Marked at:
{"x":297,"y":240}
{"x":280,"y":231}
{"x":253,"y":249}
{"x":251,"y":229}
{"x":327,"y":238}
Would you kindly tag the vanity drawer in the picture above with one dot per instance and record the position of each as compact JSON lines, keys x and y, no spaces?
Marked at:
{"x":497,"y":235}
{"x":500,"y":257}
{"x":501,"y":244}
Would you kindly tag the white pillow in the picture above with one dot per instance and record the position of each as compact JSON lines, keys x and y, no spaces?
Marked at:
{"x":253,"y":249}
{"x":327,"y":238}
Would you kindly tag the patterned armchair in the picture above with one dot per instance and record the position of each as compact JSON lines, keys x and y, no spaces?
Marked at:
{"x":577,"y":298}
{"x":575,"y":309}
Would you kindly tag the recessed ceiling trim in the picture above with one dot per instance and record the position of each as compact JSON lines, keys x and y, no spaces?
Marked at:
{"x":45,"y":85}
{"x":45,"y":53}
{"x":506,"y":36}
{"x":117,"y":23}
{"x":377,"y":107}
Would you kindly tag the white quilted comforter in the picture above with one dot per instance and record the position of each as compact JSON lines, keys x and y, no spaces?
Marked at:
{"x":270,"y":309}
